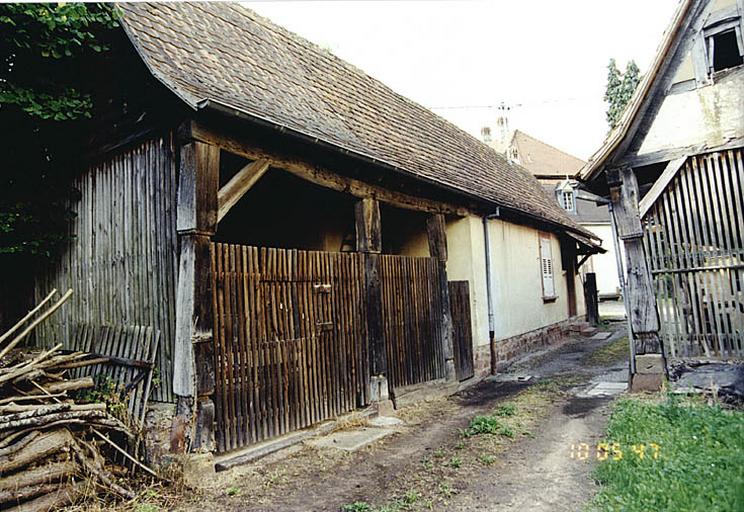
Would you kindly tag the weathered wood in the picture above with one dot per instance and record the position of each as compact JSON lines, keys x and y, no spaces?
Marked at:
{"x":288,"y":330}
{"x":644,"y":320}
{"x":459,"y":293}
{"x":122,"y":260}
{"x":193,"y":352}
{"x":368,"y":226}
{"x":670,"y":171}
{"x":43,"y":446}
{"x":46,"y":314}
{"x":436,"y":231}
{"x":70,"y":385}
{"x":319,"y":176}
{"x":238,"y":185}
{"x":624,"y":196}
{"x":412,"y":312}
{"x":591,"y":299}
{"x":28,"y":316}
{"x":693,"y":232}
{"x":56,"y":500}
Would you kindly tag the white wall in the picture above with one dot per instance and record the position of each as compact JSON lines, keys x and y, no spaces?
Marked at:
{"x":516,"y":278}
{"x":604,"y":265}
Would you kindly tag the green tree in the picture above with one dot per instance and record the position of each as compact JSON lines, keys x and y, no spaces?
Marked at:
{"x":619,"y":90}
{"x":43,"y":103}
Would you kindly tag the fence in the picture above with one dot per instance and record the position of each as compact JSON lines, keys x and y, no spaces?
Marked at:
{"x":289,"y":340}
{"x":412,"y":319}
{"x":693,"y":236}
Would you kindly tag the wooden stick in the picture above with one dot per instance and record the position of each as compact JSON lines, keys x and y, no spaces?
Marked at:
{"x":49,"y":312}
{"x":22,"y":398}
{"x":31,"y":313}
{"x":124,"y":452}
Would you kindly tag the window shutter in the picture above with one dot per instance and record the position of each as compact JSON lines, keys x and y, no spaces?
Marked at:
{"x":546,"y":266}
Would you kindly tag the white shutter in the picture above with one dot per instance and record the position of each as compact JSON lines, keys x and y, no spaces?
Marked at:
{"x":546,"y":267}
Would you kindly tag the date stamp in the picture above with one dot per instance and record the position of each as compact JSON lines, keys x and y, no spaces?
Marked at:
{"x":614,"y":451}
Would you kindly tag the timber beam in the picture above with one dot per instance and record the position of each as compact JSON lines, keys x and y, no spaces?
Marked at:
{"x":315,"y":174}
{"x":640,"y":297}
{"x":238,"y":185}
{"x":196,"y":223}
{"x":436,"y":230}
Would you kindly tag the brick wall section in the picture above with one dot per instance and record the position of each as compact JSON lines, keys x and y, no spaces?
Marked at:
{"x":509,"y":349}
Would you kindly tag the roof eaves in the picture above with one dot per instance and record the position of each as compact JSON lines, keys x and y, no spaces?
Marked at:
{"x":638,"y":100}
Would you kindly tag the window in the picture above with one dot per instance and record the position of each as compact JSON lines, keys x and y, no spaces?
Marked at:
{"x":567,"y":200}
{"x":514,"y":155}
{"x":546,"y":267}
{"x":724,"y":45}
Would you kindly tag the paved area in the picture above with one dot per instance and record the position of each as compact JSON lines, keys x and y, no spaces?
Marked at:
{"x":612,"y":310}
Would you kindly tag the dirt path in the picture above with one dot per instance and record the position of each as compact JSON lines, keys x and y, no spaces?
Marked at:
{"x":429,"y":463}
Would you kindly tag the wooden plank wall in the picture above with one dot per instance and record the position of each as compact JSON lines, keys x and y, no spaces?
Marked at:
{"x":121,"y":262}
{"x":462,"y":329}
{"x":412,"y":313}
{"x":694,"y":238}
{"x":290,"y":340}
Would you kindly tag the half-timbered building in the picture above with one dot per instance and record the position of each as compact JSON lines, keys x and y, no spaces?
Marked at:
{"x":674,"y":173}
{"x":305,"y":240}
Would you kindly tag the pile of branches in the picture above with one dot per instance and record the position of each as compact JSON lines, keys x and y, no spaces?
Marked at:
{"x":54,"y":448}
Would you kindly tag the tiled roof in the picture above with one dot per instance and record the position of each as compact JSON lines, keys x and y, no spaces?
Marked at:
{"x":226,"y":53}
{"x":542,"y":159}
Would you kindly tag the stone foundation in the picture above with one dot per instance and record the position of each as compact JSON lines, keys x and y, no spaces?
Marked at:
{"x":508,"y":350}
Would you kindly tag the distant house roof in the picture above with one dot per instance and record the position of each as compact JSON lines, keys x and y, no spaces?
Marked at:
{"x":542,"y":159}
{"x":223,"y":53}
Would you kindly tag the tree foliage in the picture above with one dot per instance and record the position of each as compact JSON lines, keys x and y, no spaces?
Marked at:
{"x":44,"y":103}
{"x":619,"y":90}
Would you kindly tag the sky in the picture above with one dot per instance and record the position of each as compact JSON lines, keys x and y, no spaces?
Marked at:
{"x":546,"y":60}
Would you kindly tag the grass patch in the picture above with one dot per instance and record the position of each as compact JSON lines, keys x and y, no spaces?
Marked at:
{"x":487,"y":425}
{"x":610,"y":353}
{"x":700,"y":462}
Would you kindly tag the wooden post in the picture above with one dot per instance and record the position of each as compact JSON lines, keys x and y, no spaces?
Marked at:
{"x":591,"y":299}
{"x":196,"y":223}
{"x":436,"y":230}
{"x":640,"y":297}
{"x":369,"y":242}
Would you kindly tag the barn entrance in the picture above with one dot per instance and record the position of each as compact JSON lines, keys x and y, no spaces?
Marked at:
{"x":290,"y":343}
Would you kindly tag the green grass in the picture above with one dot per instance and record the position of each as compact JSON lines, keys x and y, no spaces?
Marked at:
{"x":700,"y":464}
{"x":608,"y":354}
{"x":487,"y":425}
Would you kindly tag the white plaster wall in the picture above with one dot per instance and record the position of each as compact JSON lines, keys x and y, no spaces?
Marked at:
{"x":604,"y":265}
{"x":466,"y":261}
{"x":711,"y":114}
{"x":516,"y":277}
{"x":517,"y":281}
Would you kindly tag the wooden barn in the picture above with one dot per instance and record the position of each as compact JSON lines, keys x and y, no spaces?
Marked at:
{"x":673,"y":170}
{"x":304,"y":240}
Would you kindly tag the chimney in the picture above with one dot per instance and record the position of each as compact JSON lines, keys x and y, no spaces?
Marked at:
{"x":502,"y":124}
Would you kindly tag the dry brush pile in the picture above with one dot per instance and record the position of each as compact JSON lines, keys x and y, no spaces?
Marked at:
{"x":55,"y":446}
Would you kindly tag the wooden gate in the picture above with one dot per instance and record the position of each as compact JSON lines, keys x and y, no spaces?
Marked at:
{"x":462,"y":335}
{"x":412,"y":319}
{"x":694,"y":242}
{"x":290,"y":331}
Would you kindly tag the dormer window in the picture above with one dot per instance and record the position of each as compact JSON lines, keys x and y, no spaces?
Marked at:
{"x":567,"y":200}
{"x":514,"y":155}
{"x":724,"y":45}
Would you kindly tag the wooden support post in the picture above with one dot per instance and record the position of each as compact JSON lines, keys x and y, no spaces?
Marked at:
{"x":369,"y":242}
{"x":639,"y":291}
{"x":591,"y":299}
{"x":436,"y":229}
{"x":193,"y":375}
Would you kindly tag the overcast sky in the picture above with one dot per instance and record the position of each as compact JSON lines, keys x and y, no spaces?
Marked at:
{"x":545,"y":59}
